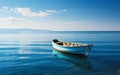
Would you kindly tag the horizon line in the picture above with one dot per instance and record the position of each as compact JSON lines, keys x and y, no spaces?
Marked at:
{"x":55,"y":30}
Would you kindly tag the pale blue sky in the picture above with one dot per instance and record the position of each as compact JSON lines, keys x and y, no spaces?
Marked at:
{"x":75,"y":15}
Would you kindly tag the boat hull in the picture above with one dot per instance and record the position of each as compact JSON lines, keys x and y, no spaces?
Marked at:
{"x":74,"y":50}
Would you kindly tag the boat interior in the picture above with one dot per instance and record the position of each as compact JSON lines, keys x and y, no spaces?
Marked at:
{"x":70,"y":44}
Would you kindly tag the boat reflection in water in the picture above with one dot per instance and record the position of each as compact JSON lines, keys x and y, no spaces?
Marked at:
{"x":81,"y":62}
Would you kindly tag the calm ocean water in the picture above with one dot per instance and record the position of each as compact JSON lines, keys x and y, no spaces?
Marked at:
{"x":32,"y":54}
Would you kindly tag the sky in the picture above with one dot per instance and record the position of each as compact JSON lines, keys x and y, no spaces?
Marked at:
{"x":61,"y":15}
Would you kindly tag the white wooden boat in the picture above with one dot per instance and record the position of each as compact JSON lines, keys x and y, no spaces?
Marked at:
{"x":72,"y":48}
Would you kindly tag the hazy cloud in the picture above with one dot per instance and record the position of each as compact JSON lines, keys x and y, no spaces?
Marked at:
{"x":28,"y":12}
{"x":4,"y":9}
{"x":10,"y":19}
{"x":51,"y":11}
{"x":13,"y":22}
{"x":25,"y":11}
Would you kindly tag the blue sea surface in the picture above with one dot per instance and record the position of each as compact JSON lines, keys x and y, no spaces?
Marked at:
{"x":32,"y":54}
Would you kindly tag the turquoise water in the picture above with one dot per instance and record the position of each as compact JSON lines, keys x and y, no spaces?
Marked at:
{"x":32,"y":54}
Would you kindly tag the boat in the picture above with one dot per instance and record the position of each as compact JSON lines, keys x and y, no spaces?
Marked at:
{"x":71,"y":48}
